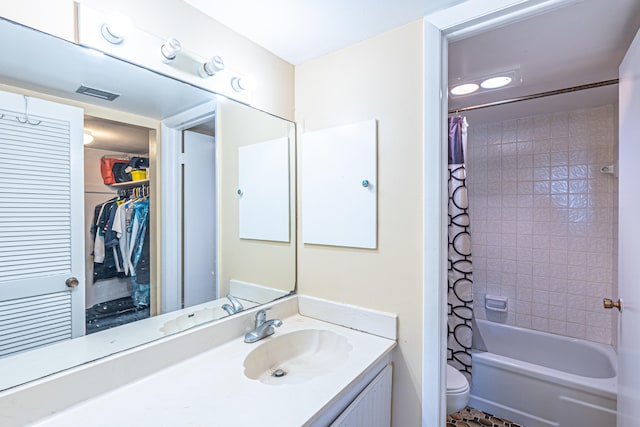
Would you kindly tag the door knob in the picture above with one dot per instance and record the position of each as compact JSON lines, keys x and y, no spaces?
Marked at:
{"x":609,"y":303}
{"x":72,"y":282}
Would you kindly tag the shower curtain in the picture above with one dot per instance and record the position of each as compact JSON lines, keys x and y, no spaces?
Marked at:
{"x":460,"y":280}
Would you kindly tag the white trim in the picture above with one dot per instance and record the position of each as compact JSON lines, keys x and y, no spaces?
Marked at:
{"x":78,"y":263}
{"x":474,"y":16}
{"x":454,"y":23}
{"x":171,"y":199}
{"x":434,"y":226}
{"x":192,"y":117}
{"x":373,"y":322}
{"x":171,"y":208}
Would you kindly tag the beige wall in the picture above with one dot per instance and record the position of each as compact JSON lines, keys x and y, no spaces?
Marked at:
{"x":197,"y":32}
{"x":271,"y":264}
{"x":380,"y":78}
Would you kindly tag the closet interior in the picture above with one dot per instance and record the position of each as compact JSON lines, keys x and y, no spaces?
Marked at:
{"x":117,"y":223}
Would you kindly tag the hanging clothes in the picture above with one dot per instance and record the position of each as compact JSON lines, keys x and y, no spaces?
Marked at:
{"x":105,"y":263}
{"x":460,"y":278}
{"x":139,"y":257}
{"x":121,"y":243}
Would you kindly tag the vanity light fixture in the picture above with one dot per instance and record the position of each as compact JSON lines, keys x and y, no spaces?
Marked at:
{"x":240,"y":84}
{"x":116,"y":28}
{"x":211,"y":67}
{"x":464,"y":89}
{"x":87,"y":137}
{"x":496,"y":82}
{"x":170,"y":49}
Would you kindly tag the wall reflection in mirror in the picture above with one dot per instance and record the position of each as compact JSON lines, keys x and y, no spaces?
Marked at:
{"x":180,"y":210}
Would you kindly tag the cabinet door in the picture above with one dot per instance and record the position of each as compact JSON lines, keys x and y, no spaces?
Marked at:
{"x":339,"y":187}
{"x":41,"y":223}
{"x":372,"y":407}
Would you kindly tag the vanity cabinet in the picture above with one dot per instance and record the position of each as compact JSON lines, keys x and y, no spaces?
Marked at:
{"x":365,"y":403}
{"x":372,"y":407}
{"x":200,"y":375}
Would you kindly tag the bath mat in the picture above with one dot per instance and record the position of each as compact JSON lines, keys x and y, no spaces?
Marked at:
{"x":471,"y":417}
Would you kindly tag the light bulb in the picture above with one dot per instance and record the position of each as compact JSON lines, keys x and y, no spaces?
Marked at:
{"x":211,"y":67}
{"x":87,"y":137}
{"x":496,"y":82}
{"x":170,"y":49}
{"x":465,"y":89}
{"x":243,"y":83}
{"x":116,"y":28}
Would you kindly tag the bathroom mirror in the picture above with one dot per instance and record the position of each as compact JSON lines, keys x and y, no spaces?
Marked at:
{"x":252,"y":269}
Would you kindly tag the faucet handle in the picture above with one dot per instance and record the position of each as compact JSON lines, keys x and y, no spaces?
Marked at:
{"x":261,"y":316}
{"x":237,"y":305}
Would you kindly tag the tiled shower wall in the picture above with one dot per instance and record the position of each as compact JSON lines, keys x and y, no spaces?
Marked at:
{"x":543,"y":219}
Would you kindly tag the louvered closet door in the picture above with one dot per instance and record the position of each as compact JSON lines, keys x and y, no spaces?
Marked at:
{"x":41,"y":223}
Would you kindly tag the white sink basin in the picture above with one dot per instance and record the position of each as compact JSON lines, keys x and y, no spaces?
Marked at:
{"x":296,"y":357}
{"x":191,"y":319}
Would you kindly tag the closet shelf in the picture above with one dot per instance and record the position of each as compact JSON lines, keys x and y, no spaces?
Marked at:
{"x":131,"y":184}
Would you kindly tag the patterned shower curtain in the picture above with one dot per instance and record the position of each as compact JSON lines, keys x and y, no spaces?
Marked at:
{"x":460,"y":280}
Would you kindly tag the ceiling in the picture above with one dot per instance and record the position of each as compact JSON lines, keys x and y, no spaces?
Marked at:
{"x":575,"y":45}
{"x":117,"y":136}
{"x":298,"y":31}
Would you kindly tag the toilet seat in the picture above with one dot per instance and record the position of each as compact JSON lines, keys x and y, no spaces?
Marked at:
{"x":457,"y":390}
{"x":456,"y":382}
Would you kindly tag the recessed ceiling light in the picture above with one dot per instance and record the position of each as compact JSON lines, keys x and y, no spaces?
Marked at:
{"x":496,"y":82}
{"x":464,"y":89}
{"x":87,"y":137}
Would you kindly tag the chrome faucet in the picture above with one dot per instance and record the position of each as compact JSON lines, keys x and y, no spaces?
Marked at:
{"x":235,"y":306}
{"x":263,"y":328}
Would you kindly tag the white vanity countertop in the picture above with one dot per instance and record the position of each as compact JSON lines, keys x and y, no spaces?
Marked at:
{"x":211,"y":388}
{"x":70,"y":353}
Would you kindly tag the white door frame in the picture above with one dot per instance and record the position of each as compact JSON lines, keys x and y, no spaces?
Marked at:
{"x":439,"y":29}
{"x":171,"y":200}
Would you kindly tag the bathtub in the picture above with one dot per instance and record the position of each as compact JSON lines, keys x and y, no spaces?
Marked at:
{"x":541,"y":380}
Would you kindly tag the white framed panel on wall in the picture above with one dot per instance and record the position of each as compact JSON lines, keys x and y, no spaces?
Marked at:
{"x":263,"y":190}
{"x":339,"y":186}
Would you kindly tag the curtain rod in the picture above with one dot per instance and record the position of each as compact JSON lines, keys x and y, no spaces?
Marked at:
{"x":535,"y":96}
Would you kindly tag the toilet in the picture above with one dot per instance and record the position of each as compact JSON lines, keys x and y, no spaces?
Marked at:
{"x":457,"y":390}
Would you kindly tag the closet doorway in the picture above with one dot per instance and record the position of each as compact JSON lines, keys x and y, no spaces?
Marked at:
{"x":117,"y":223}
{"x":199,"y":214}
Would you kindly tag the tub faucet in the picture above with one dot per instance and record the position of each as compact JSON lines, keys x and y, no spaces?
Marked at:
{"x":235,"y":306}
{"x":263,"y":327}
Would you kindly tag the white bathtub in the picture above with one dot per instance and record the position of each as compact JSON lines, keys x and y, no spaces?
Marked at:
{"x":542,"y":380}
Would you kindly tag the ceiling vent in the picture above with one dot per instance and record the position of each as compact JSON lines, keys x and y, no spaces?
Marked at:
{"x":97,"y":93}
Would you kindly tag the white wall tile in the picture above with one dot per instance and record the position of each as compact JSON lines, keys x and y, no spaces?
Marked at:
{"x":543,"y":220}
{"x":539,"y":323}
{"x":576,"y":330}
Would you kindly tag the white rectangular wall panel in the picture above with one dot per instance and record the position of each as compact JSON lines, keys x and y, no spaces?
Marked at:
{"x":339,"y":186}
{"x":263,"y":190}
